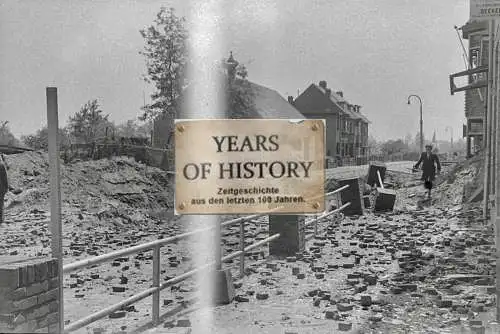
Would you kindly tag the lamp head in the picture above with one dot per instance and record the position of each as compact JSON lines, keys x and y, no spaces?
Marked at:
{"x":408,"y":101}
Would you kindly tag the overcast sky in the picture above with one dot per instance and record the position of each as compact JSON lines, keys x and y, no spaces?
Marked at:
{"x":376,"y":52}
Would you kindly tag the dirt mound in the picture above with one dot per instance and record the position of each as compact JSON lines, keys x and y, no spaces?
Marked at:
{"x":118,"y":182}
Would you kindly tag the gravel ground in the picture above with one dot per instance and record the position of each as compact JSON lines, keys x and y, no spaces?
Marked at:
{"x":401,"y":283}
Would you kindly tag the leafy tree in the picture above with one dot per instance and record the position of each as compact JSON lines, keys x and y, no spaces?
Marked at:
{"x":394,"y":146}
{"x":89,"y":123}
{"x":166,"y":59}
{"x":132,"y":128}
{"x":40,"y":140}
{"x":6,"y":136}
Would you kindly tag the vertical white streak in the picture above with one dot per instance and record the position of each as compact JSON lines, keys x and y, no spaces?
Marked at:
{"x":204,"y":100}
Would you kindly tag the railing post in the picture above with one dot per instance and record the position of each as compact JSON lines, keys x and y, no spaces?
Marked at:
{"x":242,"y":249}
{"x":218,"y":247}
{"x":316,"y":226}
{"x":156,"y":283}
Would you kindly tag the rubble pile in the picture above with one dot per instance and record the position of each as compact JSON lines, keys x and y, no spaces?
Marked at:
{"x":93,"y":184}
{"x":102,"y":200}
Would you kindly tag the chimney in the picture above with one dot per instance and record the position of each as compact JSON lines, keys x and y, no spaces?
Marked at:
{"x":322,"y":84}
{"x":328,"y":92}
{"x":290,"y":100}
{"x":340,"y":93}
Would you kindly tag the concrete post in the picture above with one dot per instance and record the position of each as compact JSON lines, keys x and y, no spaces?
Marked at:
{"x":55,"y":191}
{"x":292,"y":235}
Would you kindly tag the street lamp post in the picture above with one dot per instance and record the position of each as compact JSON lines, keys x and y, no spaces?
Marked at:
{"x":421,"y":122}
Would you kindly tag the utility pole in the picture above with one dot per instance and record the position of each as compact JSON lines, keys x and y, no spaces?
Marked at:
{"x":421,"y":122}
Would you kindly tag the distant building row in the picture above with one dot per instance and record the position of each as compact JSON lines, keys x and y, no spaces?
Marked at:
{"x":346,"y":126}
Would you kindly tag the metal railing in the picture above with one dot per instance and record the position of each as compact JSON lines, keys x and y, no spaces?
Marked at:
{"x":156,"y":245}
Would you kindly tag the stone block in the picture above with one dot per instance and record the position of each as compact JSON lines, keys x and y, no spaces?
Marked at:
{"x":37,"y":288}
{"x":354,"y":195}
{"x":52,"y":268}
{"x":48,"y":296}
{"x":54,"y":306}
{"x":53,"y":283}
{"x":366,"y":300}
{"x":345,"y":326}
{"x":9,"y":276}
{"x":41,"y":272}
{"x":38,"y":312}
{"x":385,"y":200}
{"x":292,"y":235}
{"x":9,"y":294}
{"x":224,"y":288}
{"x":24,"y":304}
{"x":52,"y":318}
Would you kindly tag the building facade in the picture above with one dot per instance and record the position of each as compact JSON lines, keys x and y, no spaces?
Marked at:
{"x":346,"y":126}
{"x":476,"y":32}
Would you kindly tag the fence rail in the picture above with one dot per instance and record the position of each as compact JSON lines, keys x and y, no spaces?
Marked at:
{"x":156,"y":246}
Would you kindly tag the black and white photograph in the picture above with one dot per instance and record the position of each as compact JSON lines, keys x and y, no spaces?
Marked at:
{"x":250,"y":166}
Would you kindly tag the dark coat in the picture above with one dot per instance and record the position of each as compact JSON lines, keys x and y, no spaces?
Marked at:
{"x":428,"y":167}
{"x":4,"y":185}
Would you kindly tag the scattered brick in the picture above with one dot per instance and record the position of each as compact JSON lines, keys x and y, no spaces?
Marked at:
{"x":262,"y":296}
{"x":117,"y":315}
{"x":343,"y":307}
{"x":366,"y":300}
{"x":332,"y":315}
{"x":444,"y":303}
{"x":241,"y":299}
{"x":345,"y":326}
{"x":183,"y":323}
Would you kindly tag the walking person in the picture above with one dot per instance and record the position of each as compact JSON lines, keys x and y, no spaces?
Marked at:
{"x":4,"y":185}
{"x":430,"y":162}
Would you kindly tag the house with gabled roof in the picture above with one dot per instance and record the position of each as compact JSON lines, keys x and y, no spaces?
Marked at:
{"x":266,"y":103}
{"x":346,"y":126}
